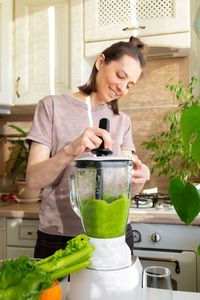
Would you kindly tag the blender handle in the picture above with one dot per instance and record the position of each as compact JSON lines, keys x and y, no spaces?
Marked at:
{"x":101,"y":151}
{"x":73,"y":195}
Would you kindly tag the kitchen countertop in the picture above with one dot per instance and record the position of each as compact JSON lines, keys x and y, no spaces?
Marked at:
{"x":153,"y":216}
{"x":157,"y":294}
{"x":18,"y":210}
{"x":31,"y":211}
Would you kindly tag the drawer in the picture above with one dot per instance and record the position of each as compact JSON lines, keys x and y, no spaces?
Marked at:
{"x":2,"y":223}
{"x":21,"y":232}
{"x":2,"y":238}
{"x":14,"y":252}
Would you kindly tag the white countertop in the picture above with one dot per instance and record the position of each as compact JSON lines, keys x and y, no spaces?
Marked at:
{"x":157,"y":294}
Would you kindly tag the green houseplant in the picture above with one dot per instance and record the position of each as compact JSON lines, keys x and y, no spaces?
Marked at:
{"x":184,"y":196}
{"x":17,"y":164}
{"x":18,"y":159}
{"x":176,"y":150}
{"x":168,"y":151}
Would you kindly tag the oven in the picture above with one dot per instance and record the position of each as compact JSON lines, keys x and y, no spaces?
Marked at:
{"x":168,"y":245}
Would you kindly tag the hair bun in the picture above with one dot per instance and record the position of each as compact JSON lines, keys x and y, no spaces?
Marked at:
{"x":136,"y":42}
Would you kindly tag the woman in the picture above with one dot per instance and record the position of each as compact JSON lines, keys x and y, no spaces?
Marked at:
{"x":65,"y":127}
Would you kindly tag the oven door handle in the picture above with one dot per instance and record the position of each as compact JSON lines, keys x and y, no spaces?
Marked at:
{"x":177,"y":269}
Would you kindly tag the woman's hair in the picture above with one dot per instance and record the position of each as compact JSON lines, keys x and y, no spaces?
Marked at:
{"x":132,"y":48}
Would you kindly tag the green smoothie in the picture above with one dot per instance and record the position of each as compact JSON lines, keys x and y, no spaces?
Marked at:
{"x":105,"y":218}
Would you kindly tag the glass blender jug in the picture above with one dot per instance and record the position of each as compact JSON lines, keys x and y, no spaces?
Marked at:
{"x":100,"y":194}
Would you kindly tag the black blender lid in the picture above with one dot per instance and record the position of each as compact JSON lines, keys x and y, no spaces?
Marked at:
{"x":103,"y":161}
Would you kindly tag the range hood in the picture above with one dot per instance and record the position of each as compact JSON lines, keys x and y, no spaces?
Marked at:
{"x":5,"y":110}
{"x":156,"y":52}
{"x":150,"y":51}
{"x":170,"y":45}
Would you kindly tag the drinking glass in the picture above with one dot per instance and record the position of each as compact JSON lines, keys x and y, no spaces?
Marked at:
{"x":157,"y":281}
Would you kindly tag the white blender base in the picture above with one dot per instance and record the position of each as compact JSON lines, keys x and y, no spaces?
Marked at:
{"x":121,"y":284}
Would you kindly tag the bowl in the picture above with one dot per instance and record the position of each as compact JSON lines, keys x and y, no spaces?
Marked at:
{"x":58,"y":290}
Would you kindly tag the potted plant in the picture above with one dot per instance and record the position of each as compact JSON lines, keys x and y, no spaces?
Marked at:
{"x":176,"y":150}
{"x":168,"y":150}
{"x":184,"y":195}
{"x":17,"y":164}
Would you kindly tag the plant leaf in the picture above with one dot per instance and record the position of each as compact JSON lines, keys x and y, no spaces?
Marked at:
{"x":19,"y":130}
{"x":185,"y":199}
{"x":190,"y":124}
{"x":198,"y":250}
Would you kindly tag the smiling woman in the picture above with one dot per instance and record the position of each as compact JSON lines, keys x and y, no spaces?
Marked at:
{"x":65,"y":127}
{"x":115,"y":79}
{"x":116,"y":69}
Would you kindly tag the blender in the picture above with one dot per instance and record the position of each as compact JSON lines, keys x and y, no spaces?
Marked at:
{"x":100,"y":192}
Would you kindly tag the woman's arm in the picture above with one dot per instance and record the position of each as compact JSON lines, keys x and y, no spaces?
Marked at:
{"x":140,"y":172}
{"x":43,"y":169}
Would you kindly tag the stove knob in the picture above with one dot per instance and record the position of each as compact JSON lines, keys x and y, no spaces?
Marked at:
{"x":155,"y":237}
{"x":136,"y":236}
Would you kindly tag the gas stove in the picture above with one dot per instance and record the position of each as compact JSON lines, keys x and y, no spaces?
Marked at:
{"x":154,"y":201}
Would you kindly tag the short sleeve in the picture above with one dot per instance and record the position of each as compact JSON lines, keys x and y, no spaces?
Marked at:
{"x":41,"y":129}
{"x":127,"y":143}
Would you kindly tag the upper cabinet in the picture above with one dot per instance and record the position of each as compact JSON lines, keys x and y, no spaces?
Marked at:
{"x":108,"y":19}
{"x":6,"y":27}
{"x":43,"y":49}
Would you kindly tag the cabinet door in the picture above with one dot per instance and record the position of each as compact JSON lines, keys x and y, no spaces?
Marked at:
{"x":106,"y":19}
{"x":21,"y":232}
{"x":14,"y":252}
{"x":2,"y":238}
{"x":41,"y":49}
{"x":6,"y":52}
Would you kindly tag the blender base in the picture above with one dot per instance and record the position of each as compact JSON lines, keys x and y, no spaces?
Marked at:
{"x":120,"y":284}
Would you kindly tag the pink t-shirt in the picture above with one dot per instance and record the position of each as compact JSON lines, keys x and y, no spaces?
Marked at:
{"x":58,"y":121}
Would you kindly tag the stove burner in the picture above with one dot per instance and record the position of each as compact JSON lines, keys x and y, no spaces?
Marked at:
{"x":149,"y":200}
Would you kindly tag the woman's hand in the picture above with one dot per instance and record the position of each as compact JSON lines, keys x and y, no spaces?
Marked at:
{"x":40,"y":164}
{"x":140,"y":172}
{"x":89,"y":140}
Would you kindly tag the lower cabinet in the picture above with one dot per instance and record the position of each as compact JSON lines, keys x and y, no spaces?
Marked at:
{"x":2,"y":238}
{"x":21,"y":237}
{"x":14,"y":252}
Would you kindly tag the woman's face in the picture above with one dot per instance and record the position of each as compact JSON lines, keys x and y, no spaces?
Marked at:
{"x":116,"y":78}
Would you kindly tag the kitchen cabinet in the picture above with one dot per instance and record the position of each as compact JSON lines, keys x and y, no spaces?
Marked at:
{"x":106,"y":19}
{"x":47,"y":52}
{"x":41,"y":49}
{"x":6,"y":27}
{"x":2,"y":237}
{"x":21,"y":237}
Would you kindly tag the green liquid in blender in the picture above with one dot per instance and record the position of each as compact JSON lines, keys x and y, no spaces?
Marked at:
{"x":105,"y":218}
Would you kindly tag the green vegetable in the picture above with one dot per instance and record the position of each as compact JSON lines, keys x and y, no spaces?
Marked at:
{"x":24,"y":278}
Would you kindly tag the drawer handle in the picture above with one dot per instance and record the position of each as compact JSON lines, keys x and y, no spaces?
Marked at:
{"x":133,"y":28}
{"x":177,"y":268}
{"x":17,"y":87}
{"x":32,"y":233}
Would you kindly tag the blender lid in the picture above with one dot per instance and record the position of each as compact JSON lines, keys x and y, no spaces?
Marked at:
{"x":103,"y":161}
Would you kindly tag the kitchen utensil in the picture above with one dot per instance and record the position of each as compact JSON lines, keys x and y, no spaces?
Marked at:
{"x":106,"y":217}
{"x":100,"y":195}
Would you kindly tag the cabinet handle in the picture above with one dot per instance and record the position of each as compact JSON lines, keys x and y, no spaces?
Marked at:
{"x":32,"y":233}
{"x":17,"y":87}
{"x":133,"y":28}
{"x":171,"y":260}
